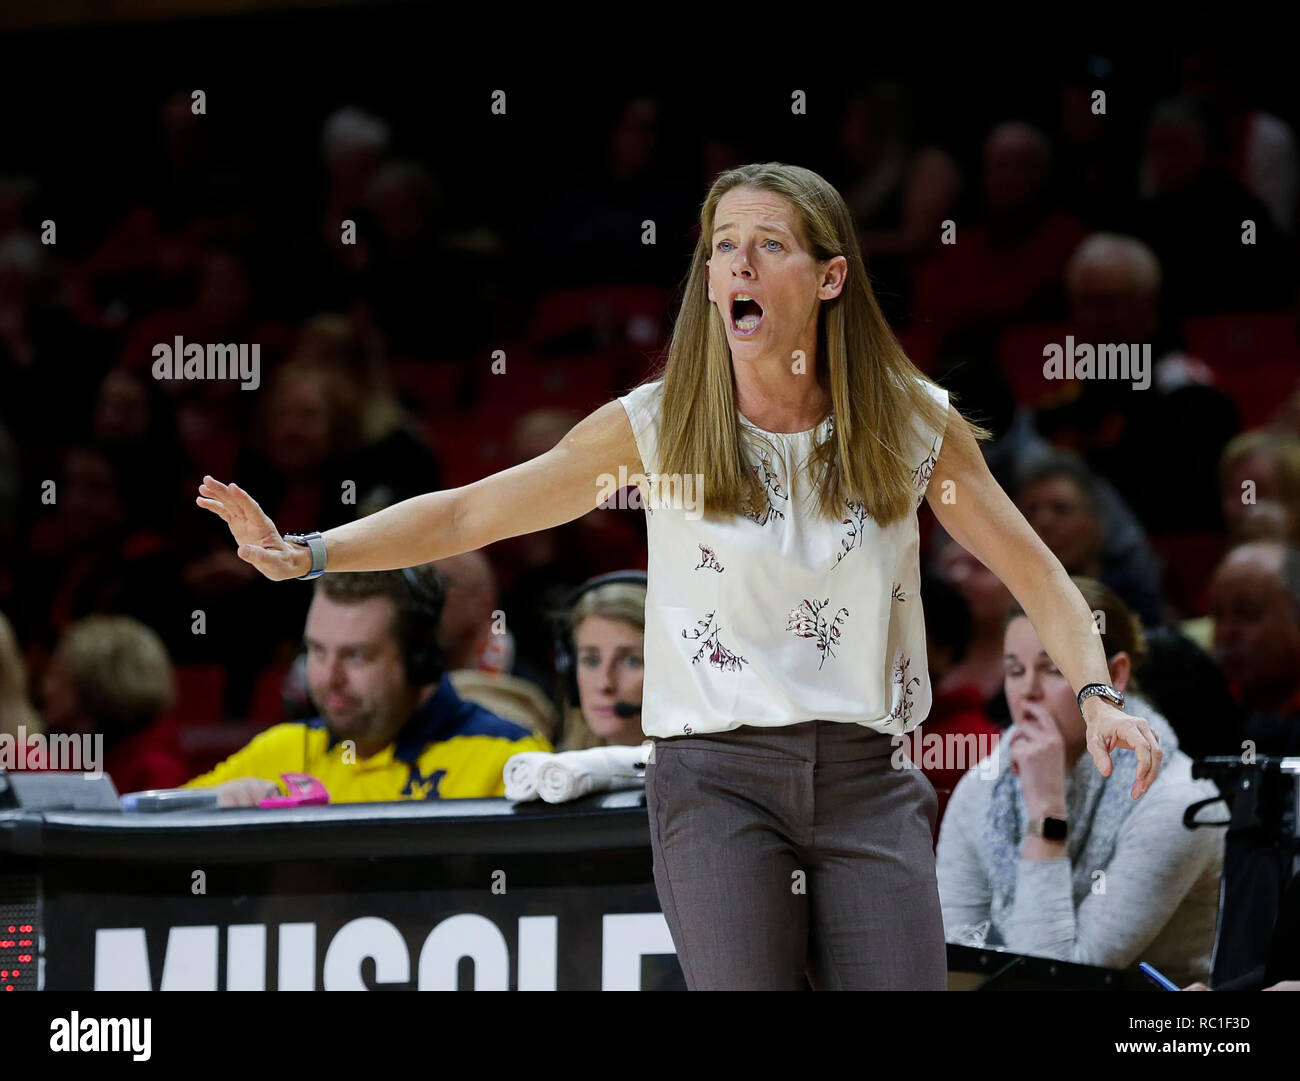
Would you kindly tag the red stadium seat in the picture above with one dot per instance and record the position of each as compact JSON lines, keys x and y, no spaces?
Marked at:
{"x":581,"y":383}
{"x":432,"y":388}
{"x":614,"y":313}
{"x":267,"y":707}
{"x":200,"y":694}
{"x":204,"y":745}
{"x":473,"y":445}
{"x":1254,"y":355}
{"x":921,"y":345}
{"x":1189,"y":559}
{"x":1020,"y":356}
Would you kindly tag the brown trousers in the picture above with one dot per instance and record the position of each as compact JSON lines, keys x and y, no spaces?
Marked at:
{"x":795,"y":858}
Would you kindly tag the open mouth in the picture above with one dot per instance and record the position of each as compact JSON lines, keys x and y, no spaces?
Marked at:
{"x":746,"y":315}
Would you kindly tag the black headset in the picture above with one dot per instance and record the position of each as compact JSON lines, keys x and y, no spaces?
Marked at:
{"x":566,"y":664}
{"x":421,"y":651}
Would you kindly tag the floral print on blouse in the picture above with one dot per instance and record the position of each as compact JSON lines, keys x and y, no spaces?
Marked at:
{"x":776,"y":616}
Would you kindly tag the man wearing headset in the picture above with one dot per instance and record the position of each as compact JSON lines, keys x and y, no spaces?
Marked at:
{"x":391,"y":726}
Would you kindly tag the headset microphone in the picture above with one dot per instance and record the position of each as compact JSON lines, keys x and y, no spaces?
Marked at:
{"x":626,"y":709}
{"x":566,"y":665}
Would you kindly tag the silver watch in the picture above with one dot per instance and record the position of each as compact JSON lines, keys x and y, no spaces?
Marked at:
{"x":1105,"y":690}
{"x":316,"y":543}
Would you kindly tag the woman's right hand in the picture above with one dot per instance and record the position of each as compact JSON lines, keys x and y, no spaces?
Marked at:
{"x":246,"y":792}
{"x":259,"y":542}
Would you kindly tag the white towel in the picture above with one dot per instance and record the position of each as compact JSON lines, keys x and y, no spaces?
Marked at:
{"x":520,"y":774}
{"x":572,"y":774}
{"x":568,"y":775}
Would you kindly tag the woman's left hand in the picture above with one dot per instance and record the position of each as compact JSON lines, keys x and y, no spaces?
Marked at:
{"x":1109,"y":727}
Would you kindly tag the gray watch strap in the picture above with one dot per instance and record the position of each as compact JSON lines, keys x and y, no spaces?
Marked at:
{"x":315,"y":543}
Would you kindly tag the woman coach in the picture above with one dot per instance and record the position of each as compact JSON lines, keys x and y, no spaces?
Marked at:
{"x":784,"y":644}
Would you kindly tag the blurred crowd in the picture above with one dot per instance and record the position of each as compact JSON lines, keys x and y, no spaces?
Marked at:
{"x":405,"y":347}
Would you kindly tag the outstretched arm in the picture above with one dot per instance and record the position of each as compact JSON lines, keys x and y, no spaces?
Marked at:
{"x":544,"y":492}
{"x":981,"y":517}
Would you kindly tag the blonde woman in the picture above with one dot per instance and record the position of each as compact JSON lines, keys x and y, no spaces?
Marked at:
{"x":601,"y":662}
{"x":781,"y":456}
{"x":16,"y":710}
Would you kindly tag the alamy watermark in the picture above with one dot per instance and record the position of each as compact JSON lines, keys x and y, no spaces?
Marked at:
{"x":194,"y":361}
{"x":665,"y":491}
{"x":61,"y":751}
{"x":949,"y":750}
{"x":1084,"y":361}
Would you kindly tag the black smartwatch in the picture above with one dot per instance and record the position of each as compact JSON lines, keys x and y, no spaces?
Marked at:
{"x":1050,"y":828}
{"x":316,"y":543}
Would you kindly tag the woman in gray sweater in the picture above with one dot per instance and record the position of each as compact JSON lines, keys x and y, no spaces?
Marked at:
{"x":1128,"y":882}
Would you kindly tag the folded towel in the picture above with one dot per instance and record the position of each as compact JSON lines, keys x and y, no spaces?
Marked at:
{"x":572,"y":774}
{"x":568,"y":775}
{"x":520,"y":774}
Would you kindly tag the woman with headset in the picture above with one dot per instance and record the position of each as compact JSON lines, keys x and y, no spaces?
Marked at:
{"x":600,"y":662}
{"x":781,"y":455}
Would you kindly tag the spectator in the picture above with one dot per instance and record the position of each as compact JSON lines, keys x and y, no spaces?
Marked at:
{"x":133,"y":419}
{"x":1129,"y":881}
{"x":353,"y":145}
{"x":1057,"y":496}
{"x":987,"y":602}
{"x":393,"y":461}
{"x":191,"y":188}
{"x":1192,"y":215}
{"x":957,"y":718}
{"x":1093,"y":168}
{"x":1259,"y":474}
{"x":92,"y":555}
{"x":1255,"y":603}
{"x":607,"y":625}
{"x":1183,"y":681}
{"x":1287,"y":417}
{"x":9,"y":488}
{"x":1259,"y":148}
{"x":304,"y":464}
{"x":470,"y":634}
{"x":479,"y":646}
{"x":1018,"y":444}
{"x":1008,"y":268}
{"x":391,"y":726}
{"x":605,"y":648}
{"x":50,"y":363}
{"x":1113,"y":289}
{"x":224,"y":309}
{"x":898,"y":191}
{"x":331,"y":253}
{"x":432,"y":292}
{"x":16,"y":710}
{"x":539,"y":570}
{"x":599,"y":222}
{"x":110,"y":676}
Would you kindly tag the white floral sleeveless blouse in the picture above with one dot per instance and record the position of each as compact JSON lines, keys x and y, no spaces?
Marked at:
{"x":776,"y":618}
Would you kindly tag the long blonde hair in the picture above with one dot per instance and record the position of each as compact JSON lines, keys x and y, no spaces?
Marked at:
{"x":874,"y":388}
{"x":15,"y":708}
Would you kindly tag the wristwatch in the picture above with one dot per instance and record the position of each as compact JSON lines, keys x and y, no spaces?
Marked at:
{"x":1105,"y":690}
{"x":316,"y":543}
{"x":1050,"y":828}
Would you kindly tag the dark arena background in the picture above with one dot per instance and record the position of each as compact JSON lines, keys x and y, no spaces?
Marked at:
{"x":423,"y":253}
